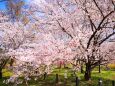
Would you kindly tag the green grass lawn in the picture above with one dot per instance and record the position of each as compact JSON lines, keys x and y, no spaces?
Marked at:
{"x":106,"y":76}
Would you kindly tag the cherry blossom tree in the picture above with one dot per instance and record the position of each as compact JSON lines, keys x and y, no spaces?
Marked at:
{"x":42,"y":52}
{"x":3,"y":61}
{"x":32,"y":46}
{"x":3,"y":58}
{"x":90,"y":22}
{"x":12,"y":35}
{"x":60,"y":29}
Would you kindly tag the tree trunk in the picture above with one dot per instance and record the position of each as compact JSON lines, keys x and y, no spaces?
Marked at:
{"x":64,"y":65}
{"x":99,"y":67}
{"x":11,"y":62}
{"x":60,"y":64}
{"x":45,"y":74}
{"x":87,"y":75}
{"x":57,"y":78}
{"x":81,"y":69}
{"x":1,"y":74}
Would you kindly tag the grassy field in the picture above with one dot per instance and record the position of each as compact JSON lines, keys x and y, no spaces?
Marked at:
{"x":106,"y":76}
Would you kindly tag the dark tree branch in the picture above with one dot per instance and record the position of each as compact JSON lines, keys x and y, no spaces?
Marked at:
{"x":63,"y":29}
{"x":92,"y":36}
{"x":99,"y":28}
{"x":113,"y":4}
{"x":61,"y":6}
{"x":104,"y":18}
{"x":93,"y":65}
{"x":98,"y":8}
{"x":106,"y":38}
{"x":91,"y":22}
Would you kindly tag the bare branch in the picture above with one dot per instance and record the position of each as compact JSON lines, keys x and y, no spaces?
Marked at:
{"x":98,"y":8}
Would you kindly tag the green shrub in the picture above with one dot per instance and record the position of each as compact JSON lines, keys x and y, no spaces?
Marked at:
{"x":112,"y":66}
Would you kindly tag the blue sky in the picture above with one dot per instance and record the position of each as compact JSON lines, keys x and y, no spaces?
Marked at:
{"x":3,"y":5}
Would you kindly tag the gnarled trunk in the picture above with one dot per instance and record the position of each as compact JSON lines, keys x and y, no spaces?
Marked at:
{"x":87,"y":75}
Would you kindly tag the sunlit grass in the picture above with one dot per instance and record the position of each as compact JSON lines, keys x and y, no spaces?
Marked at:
{"x":106,"y":76}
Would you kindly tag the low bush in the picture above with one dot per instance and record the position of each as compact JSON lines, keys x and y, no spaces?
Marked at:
{"x":111,"y":66}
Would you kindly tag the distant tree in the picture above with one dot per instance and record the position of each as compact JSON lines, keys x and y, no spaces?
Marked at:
{"x":3,"y":61}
